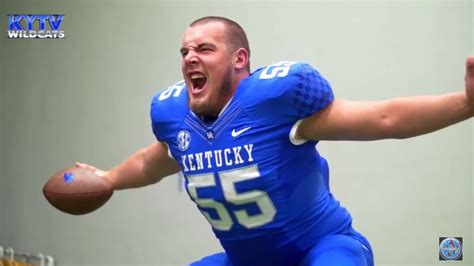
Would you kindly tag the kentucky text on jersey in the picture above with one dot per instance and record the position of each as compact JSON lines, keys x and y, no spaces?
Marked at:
{"x":217,"y":158}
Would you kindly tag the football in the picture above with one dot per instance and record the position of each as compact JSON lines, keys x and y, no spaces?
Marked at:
{"x":77,"y":190}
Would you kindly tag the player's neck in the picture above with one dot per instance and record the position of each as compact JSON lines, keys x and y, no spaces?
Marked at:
{"x":208,"y":119}
{"x":211,"y":118}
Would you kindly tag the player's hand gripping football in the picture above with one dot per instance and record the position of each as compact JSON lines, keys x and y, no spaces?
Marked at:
{"x":469,"y":82}
{"x":92,"y":168}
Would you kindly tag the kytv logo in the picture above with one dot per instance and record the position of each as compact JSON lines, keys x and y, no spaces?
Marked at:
{"x":35,"y":26}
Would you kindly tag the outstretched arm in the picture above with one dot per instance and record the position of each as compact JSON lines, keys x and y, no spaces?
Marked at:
{"x":396,"y":118}
{"x":147,"y":166}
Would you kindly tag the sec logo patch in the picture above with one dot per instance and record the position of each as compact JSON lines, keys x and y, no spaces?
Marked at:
{"x":183,"y":139}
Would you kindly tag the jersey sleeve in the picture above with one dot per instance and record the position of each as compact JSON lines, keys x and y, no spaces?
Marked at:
{"x":167,"y":110}
{"x":155,"y":117}
{"x":310,"y":94}
{"x":288,"y":98}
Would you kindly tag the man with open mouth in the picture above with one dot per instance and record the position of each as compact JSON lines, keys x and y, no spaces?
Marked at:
{"x":245,"y":142}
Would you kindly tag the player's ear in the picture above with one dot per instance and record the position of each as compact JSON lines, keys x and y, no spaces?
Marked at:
{"x":241,"y":58}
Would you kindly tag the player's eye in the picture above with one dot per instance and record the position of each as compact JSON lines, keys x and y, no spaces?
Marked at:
{"x":183,"y":52}
{"x":206,"y":49}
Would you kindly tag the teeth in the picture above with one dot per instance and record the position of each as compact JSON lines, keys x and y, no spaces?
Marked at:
{"x":197,"y":76}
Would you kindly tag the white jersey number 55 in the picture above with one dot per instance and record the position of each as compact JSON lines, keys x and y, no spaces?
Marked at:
{"x":228,"y":180}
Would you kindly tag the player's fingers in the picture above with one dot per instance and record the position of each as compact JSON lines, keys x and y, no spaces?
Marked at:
{"x":87,"y":166}
{"x":470,"y":66}
{"x":96,"y":170}
{"x":83,"y":165}
{"x":101,"y":173}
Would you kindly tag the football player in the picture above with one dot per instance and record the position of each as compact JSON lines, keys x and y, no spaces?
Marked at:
{"x":245,"y":142}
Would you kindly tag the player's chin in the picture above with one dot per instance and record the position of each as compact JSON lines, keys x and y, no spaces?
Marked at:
{"x":198,"y":105}
{"x":203,"y":107}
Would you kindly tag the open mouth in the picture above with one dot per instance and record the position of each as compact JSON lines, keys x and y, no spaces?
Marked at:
{"x":198,"y":82}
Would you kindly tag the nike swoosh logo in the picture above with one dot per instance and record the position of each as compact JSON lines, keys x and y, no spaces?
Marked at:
{"x":237,"y":133}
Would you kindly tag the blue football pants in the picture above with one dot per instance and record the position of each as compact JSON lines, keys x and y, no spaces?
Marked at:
{"x":351,"y":249}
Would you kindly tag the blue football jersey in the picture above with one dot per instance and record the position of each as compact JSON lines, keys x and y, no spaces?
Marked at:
{"x":267,"y":197}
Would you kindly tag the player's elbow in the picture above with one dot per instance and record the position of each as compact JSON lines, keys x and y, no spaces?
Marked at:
{"x":391,"y":127}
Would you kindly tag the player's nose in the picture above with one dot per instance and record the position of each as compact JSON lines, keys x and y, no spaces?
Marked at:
{"x":191,"y":58}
